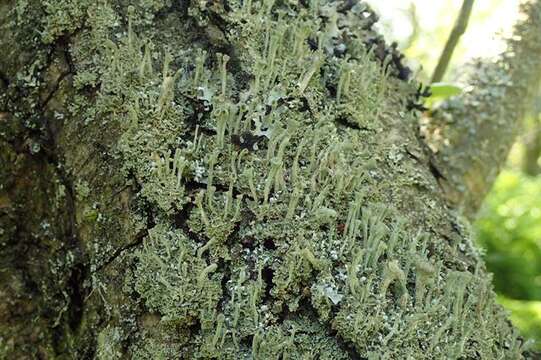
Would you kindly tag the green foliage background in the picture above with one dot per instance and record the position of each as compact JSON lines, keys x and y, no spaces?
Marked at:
{"x":509,"y":229}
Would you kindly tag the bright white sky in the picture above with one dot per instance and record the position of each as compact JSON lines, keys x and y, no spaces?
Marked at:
{"x":436,"y":18}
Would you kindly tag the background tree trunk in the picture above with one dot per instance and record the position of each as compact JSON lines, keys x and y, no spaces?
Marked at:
{"x":471,"y":135}
{"x":224,"y":180}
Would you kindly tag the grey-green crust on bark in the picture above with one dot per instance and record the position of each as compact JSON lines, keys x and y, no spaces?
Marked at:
{"x":472,"y":134}
{"x":244,"y":182}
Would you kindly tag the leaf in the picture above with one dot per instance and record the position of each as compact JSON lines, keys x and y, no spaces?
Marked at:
{"x":444,"y":90}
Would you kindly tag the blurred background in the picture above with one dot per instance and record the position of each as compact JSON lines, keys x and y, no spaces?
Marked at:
{"x":508,"y":228}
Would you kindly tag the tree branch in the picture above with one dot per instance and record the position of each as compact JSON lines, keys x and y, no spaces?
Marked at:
{"x":471,"y":135}
{"x":459,"y":29}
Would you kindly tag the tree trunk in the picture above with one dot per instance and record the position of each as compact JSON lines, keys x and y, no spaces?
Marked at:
{"x":224,"y":180}
{"x":532,"y":150}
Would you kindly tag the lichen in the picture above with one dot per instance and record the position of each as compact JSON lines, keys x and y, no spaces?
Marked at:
{"x":272,"y":209}
{"x":279,"y":229}
{"x":174,"y":281}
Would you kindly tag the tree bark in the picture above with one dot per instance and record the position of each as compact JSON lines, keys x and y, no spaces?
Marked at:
{"x":224,"y":180}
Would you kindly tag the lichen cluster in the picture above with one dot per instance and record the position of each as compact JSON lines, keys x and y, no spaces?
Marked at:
{"x":281,"y":191}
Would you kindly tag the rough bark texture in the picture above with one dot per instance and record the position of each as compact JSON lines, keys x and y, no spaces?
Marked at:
{"x":472,"y":134}
{"x":229,"y":180}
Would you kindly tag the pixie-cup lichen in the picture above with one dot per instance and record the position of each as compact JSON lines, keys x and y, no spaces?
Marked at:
{"x":263,"y":147}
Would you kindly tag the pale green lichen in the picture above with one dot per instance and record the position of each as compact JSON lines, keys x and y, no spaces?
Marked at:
{"x":283,"y":216}
{"x":173,"y":279}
